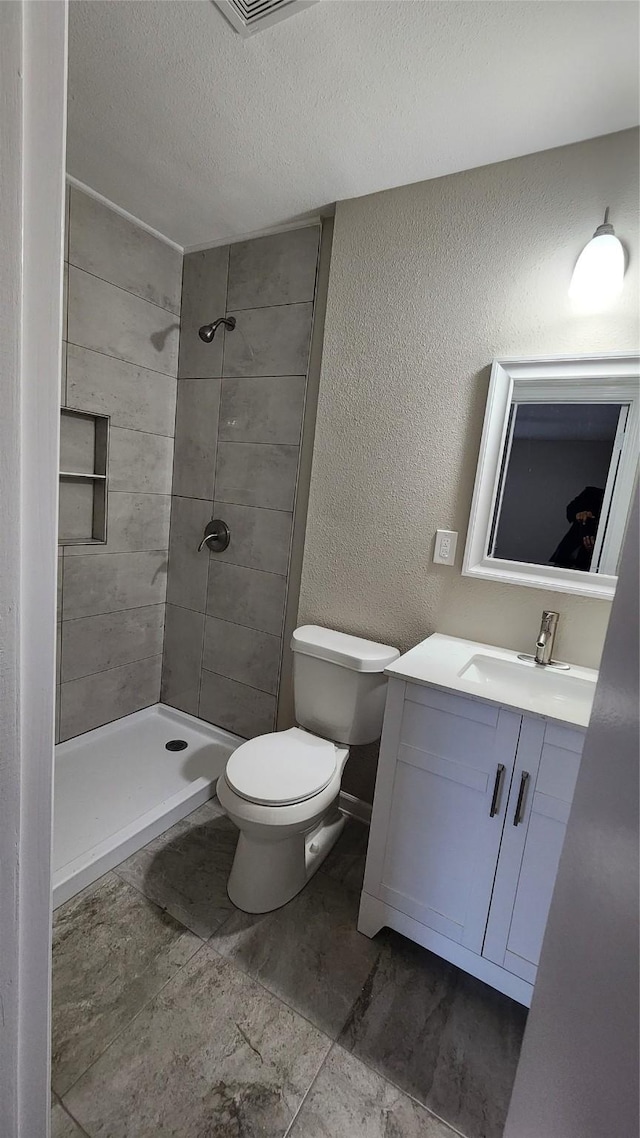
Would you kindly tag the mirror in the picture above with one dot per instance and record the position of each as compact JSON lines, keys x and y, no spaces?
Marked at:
{"x":557,"y":467}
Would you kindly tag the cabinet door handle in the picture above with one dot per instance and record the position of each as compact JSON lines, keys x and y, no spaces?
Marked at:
{"x":524,"y":779}
{"x":497,"y":786}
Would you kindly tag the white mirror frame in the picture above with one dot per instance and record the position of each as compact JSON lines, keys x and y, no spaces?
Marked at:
{"x":587,"y":379}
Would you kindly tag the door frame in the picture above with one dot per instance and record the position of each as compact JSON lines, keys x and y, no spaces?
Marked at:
{"x":33,"y":88}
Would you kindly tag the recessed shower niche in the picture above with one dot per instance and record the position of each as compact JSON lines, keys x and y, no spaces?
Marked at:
{"x":84,"y":453}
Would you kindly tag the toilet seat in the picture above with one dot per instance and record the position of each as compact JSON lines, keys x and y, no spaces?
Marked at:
{"x":282,"y":768}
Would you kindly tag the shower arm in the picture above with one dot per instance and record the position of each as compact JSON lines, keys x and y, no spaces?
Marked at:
{"x":208,"y":331}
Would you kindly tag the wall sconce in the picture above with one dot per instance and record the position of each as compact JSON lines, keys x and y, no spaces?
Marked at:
{"x":598,"y":275}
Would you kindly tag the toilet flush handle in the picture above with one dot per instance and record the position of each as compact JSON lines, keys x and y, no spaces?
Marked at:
{"x":217,"y":536}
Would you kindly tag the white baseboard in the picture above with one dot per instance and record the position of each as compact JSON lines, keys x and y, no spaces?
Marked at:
{"x":355,"y":807}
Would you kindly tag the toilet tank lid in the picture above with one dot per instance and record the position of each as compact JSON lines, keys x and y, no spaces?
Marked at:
{"x":349,"y":651}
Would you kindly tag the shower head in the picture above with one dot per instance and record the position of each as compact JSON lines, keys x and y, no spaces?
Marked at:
{"x":208,"y":331}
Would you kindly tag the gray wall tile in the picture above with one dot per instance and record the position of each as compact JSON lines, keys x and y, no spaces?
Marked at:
{"x":204,"y":298}
{"x":188,"y":569}
{"x":112,"y":581}
{"x":135,"y":522}
{"x":194,"y":461}
{"x":94,"y":700}
{"x":236,"y":707}
{"x":269,"y":341}
{"x":139,"y":461}
{"x":183,"y":637}
{"x":108,"y":319}
{"x":263,"y":410}
{"x":257,"y":474}
{"x":242,"y":654}
{"x":103,"y":242}
{"x":246,"y":596}
{"x":95,"y":643}
{"x":260,"y":538}
{"x":133,"y":396}
{"x":280,"y":269}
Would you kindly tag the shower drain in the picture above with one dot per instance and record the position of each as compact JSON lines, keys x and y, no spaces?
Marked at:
{"x":176,"y":745}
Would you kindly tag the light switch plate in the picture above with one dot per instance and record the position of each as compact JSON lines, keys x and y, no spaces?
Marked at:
{"x":445,"y":547}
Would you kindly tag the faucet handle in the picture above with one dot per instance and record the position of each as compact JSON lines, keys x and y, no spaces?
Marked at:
{"x":549,"y":619}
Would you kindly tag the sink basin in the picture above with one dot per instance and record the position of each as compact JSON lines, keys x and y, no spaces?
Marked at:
{"x":498,"y":675}
{"x":512,"y":676}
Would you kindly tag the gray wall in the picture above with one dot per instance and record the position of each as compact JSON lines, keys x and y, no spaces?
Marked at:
{"x":578,"y":1073}
{"x":238,"y":429}
{"x":121,"y":332}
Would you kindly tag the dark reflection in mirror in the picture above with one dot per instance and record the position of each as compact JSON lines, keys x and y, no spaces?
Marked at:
{"x":556,"y":484}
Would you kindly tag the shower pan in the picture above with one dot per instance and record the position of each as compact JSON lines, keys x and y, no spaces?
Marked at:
{"x":119,"y":786}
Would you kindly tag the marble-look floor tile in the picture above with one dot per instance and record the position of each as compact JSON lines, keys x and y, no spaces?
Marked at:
{"x":347,"y":859}
{"x":62,"y":1124}
{"x":212,"y":1055}
{"x":351,"y":1100}
{"x":112,"y":951}
{"x":185,"y":870}
{"x":444,"y":1037}
{"x":308,"y":953}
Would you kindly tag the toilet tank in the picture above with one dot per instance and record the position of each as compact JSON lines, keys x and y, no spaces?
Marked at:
{"x":339,"y":684}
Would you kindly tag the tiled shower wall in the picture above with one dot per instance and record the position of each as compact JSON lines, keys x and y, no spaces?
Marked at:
{"x":121,"y":329}
{"x":238,"y":429}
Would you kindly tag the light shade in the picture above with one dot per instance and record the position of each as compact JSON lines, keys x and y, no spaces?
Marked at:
{"x":599,"y":272}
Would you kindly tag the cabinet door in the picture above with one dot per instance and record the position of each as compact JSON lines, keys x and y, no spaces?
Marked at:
{"x":537,"y":815}
{"x":451,"y":777}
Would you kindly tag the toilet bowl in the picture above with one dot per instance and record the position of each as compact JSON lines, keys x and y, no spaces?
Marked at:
{"x":282,"y":789}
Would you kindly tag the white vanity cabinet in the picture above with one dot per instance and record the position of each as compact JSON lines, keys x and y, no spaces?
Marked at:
{"x":470,"y":811}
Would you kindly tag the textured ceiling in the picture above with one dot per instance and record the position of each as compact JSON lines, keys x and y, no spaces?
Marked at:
{"x":205,"y":135}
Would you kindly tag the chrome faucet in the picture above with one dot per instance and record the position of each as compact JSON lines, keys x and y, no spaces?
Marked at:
{"x":546,"y":638}
{"x":545,"y":642}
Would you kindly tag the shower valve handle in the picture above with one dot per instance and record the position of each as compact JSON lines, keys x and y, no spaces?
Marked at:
{"x":216,"y":536}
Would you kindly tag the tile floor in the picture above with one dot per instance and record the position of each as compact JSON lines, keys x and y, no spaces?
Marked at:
{"x":175,"y":1014}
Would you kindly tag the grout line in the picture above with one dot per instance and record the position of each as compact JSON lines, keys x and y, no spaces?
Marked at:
{"x":142,"y":367}
{"x":250,"y":687}
{"x":283,"y":304}
{"x":258,"y":443}
{"x":110,"y":612}
{"x":134,"y":430}
{"x":306,"y":1094}
{"x":129,"y":292}
{"x":121,"y":359}
{"x":237,"y":624}
{"x":84,"y":1133}
{"x":115,"y":667}
{"x":113,"y":553}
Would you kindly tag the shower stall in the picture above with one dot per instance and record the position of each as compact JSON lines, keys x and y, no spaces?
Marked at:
{"x":187,"y":402}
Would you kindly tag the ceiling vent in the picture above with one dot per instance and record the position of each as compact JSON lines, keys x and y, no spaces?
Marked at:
{"x":251,"y":16}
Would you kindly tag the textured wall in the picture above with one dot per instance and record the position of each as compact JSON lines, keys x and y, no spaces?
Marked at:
{"x":241,"y":401}
{"x":121,"y":351}
{"x":428,"y":284}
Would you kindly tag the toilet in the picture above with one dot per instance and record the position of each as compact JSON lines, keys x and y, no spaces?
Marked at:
{"x":282,"y":789}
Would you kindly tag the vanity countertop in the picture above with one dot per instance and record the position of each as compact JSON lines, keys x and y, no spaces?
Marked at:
{"x":499,"y":676}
